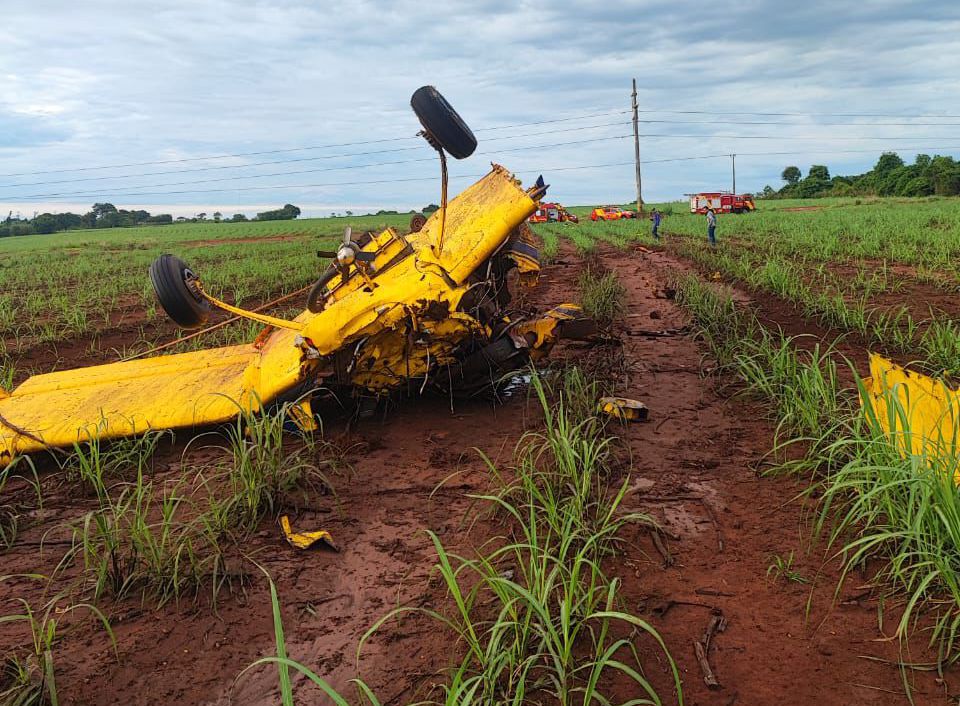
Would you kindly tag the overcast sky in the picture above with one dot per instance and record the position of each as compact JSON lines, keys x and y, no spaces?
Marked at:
{"x":89,"y":83}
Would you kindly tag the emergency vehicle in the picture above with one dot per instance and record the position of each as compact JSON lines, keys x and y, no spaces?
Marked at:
{"x":552,"y":212}
{"x":721,"y":202}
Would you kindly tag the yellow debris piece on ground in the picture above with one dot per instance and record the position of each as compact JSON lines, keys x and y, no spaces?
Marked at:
{"x":919,"y":413}
{"x":305,"y":540}
{"x":623,"y":408}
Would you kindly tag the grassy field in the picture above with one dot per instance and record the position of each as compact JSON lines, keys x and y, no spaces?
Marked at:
{"x":858,"y":275}
{"x":161,"y":539}
{"x":70,"y":285}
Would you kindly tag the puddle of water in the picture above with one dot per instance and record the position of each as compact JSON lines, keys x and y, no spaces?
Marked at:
{"x":515,"y":384}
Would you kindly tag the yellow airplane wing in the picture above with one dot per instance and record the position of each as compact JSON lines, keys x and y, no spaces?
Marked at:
{"x":129,"y":398}
{"x":919,"y":414}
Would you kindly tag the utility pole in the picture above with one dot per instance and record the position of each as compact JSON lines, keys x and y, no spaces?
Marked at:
{"x":733,"y":162}
{"x":636,"y":146}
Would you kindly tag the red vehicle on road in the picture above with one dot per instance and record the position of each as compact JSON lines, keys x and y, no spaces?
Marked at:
{"x":552,"y":212}
{"x":721,"y":202}
{"x":610,"y":213}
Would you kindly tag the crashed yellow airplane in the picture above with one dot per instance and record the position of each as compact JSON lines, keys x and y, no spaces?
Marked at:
{"x":391,"y":310}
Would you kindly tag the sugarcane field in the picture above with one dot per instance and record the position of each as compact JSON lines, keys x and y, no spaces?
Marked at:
{"x":624,"y":373}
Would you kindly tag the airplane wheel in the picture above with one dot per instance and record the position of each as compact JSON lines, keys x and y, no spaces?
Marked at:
{"x":175,"y":285}
{"x":317,"y":299}
{"x":442,"y":122}
{"x":417,"y":221}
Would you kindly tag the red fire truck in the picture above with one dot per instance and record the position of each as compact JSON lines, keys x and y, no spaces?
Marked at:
{"x":721,"y":202}
{"x":549,"y":212}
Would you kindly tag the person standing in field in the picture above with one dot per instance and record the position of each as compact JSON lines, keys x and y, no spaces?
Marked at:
{"x":655,"y":219}
{"x":711,"y":227}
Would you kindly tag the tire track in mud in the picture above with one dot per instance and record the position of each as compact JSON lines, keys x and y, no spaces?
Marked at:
{"x":697,"y":466}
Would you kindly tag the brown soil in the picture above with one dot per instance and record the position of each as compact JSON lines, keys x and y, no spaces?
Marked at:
{"x":696,"y":466}
{"x":255,"y":239}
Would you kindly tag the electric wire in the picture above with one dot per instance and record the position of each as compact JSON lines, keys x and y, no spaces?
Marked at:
{"x":236,"y":155}
{"x":294,"y":161}
{"x":545,"y":170}
{"x":96,"y":194}
{"x":297,"y":149}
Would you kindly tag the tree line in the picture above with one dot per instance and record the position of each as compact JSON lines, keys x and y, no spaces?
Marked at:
{"x":106,"y":215}
{"x":891,"y":176}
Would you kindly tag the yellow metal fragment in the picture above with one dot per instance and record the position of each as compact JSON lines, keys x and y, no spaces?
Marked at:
{"x":305,"y":540}
{"x":622,"y":408}
{"x":920,"y":415}
{"x":302,"y":414}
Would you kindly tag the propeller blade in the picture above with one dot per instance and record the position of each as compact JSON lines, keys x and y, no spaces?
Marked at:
{"x":326,"y":253}
{"x":347,"y":235}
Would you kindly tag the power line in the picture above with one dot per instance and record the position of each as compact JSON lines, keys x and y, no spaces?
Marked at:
{"x":546,"y":170}
{"x":501,"y":127}
{"x":851,"y":138}
{"x":555,"y":120}
{"x":349,"y":183}
{"x":795,"y":124}
{"x":406,"y":149}
{"x":98,"y":194}
{"x":901,"y":116}
{"x":294,"y":161}
{"x":295,"y":149}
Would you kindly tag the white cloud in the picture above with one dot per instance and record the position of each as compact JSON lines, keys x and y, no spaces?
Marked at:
{"x":121,"y":83}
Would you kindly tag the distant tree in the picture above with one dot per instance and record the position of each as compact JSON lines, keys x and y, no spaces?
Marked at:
{"x":791,"y":175}
{"x":888,"y":162}
{"x":768,"y":192}
{"x":349,"y":213}
{"x":238,"y":217}
{"x":915,"y":186}
{"x":110,"y":219}
{"x":287,"y":213}
{"x":44,"y":223}
{"x":101,"y":209}
{"x":819,"y":172}
{"x":945,"y":176}
{"x":217,"y":216}
{"x":201,"y":216}
{"x":431,"y":208}
{"x":181,"y":219}
{"x":816,"y":183}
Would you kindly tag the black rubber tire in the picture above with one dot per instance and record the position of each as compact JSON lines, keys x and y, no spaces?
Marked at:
{"x":490,"y":362}
{"x":443,"y":122}
{"x":171,"y":281}
{"x":316,"y":299}
{"x":417,"y":221}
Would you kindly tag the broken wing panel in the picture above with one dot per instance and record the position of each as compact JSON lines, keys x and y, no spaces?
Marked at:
{"x":919,"y":414}
{"x":129,"y":398}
